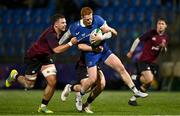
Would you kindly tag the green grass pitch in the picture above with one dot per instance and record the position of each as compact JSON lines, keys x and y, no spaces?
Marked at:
{"x":15,"y":102}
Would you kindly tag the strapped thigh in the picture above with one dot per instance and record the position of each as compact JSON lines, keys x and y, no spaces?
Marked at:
{"x":51,"y":70}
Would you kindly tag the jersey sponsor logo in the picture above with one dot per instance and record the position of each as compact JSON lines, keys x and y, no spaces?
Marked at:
{"x":77,"y":33}
{"x":83,"y":34}
{"x":83,"y":37}
{"x":154,"y":39}
{"x":155,"y":48}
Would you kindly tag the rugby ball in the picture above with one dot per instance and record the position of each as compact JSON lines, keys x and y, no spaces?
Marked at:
{"x":96,"y":32}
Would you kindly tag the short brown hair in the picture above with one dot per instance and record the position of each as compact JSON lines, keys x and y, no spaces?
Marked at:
{"x":161,"y":19}
{"x":56,"y":17}
{"x":86,"y":11}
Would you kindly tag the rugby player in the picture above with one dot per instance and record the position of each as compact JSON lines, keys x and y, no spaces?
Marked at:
{"x":155,"y":41}
{"x":38,"y":58}
{"x":82,"y":31}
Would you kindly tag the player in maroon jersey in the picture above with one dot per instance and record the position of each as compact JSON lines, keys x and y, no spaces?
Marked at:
{"x":155,"y":41}
{"x":38,"y":58}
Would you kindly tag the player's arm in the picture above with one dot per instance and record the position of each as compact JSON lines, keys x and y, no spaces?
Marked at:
{"x":65,"y":37}
{"x":64,"y":47}
{"x":144,"y":37}
{"x":133,"y":47}
{"x":107,"y":30}
{"x":163,"y":45}
{"x":85,"y":47}
{"x":107,"y":33}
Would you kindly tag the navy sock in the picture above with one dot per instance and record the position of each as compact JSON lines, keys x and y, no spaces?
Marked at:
{"x":138,"y":83}
{"x":45,"y":102}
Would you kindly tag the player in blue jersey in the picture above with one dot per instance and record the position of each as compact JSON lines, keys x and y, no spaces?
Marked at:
{"x":82,"y":31}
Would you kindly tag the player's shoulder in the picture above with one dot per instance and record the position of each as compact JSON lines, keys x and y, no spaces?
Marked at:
{"x":152,"y":31}
{"x":166,"y":36}
{"x":97,"y":17}
{"x":74,"y":25}
{"x":49,"y":31}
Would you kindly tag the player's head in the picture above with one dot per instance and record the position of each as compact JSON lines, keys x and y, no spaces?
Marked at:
{"x":161,"y":25}
{"x":59,"y":22}
{"x":87,"y":16}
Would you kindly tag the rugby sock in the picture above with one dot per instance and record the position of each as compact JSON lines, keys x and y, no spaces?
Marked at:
{"x":82,"y":92}
{"x":134,"y":89}
{"x":44,"y":102}
{"x":145,"y":87}
{"x":16,"y":76}
{"x":137,"y":82}
{"x":90,"y":100}
{"x":72,"y":87}
{"x":133,"y":98}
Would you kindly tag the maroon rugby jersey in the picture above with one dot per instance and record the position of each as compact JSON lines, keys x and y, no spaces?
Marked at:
{"x":45,"y":44}
{"x":151,"y":49}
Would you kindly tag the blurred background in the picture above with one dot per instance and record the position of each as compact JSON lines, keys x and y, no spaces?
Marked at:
{"x":22,"y":21}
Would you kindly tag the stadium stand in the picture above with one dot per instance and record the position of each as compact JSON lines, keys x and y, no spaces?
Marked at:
{"x":20,"y":27}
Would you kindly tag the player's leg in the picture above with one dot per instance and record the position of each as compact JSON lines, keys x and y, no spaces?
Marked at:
{"x":143,"y":80}
{"x":146,"y":80}
{"x":92,"y":77}
{"x":114,"y":62}
{"x":49,"y":72}
{"x":81,"y":74}
{"x":28,"y":80}
{"x":98,"y":88}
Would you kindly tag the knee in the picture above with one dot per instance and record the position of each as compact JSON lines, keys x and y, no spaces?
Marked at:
{"x":29,"y":85}
{"x":92,"y":80}
{"x":121,"y":69}
{"x":149,"y":80}
{"x":52,"y":82}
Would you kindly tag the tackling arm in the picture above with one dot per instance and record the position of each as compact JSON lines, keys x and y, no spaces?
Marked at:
{"x":85,"y":47}
{"x":64,"y":47}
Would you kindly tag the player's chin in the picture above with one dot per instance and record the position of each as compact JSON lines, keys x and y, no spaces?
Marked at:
{"x":88,"y":24}
{"x":63,"y":29}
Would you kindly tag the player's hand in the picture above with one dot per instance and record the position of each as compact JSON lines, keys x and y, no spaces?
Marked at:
{"x":98,"y":49}
{"x":163,"y":49}
{"x":129,"y":54}
{"x":95,"y":38}
{"x":74,"y":41}
{"x":163,"y":45}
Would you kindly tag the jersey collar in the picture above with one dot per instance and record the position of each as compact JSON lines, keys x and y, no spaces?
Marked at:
{"x":81,"y":23}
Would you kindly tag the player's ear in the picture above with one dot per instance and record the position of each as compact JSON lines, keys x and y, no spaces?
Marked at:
{"x":55,"y":24}
{"x":165,"y":25}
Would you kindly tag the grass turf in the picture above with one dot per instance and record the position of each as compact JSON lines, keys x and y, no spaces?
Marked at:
{"x":108,"y":103}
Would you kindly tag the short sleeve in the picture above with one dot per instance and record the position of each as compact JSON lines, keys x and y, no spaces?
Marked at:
{"x":100,"y":21}
{"x":72,"y":29}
